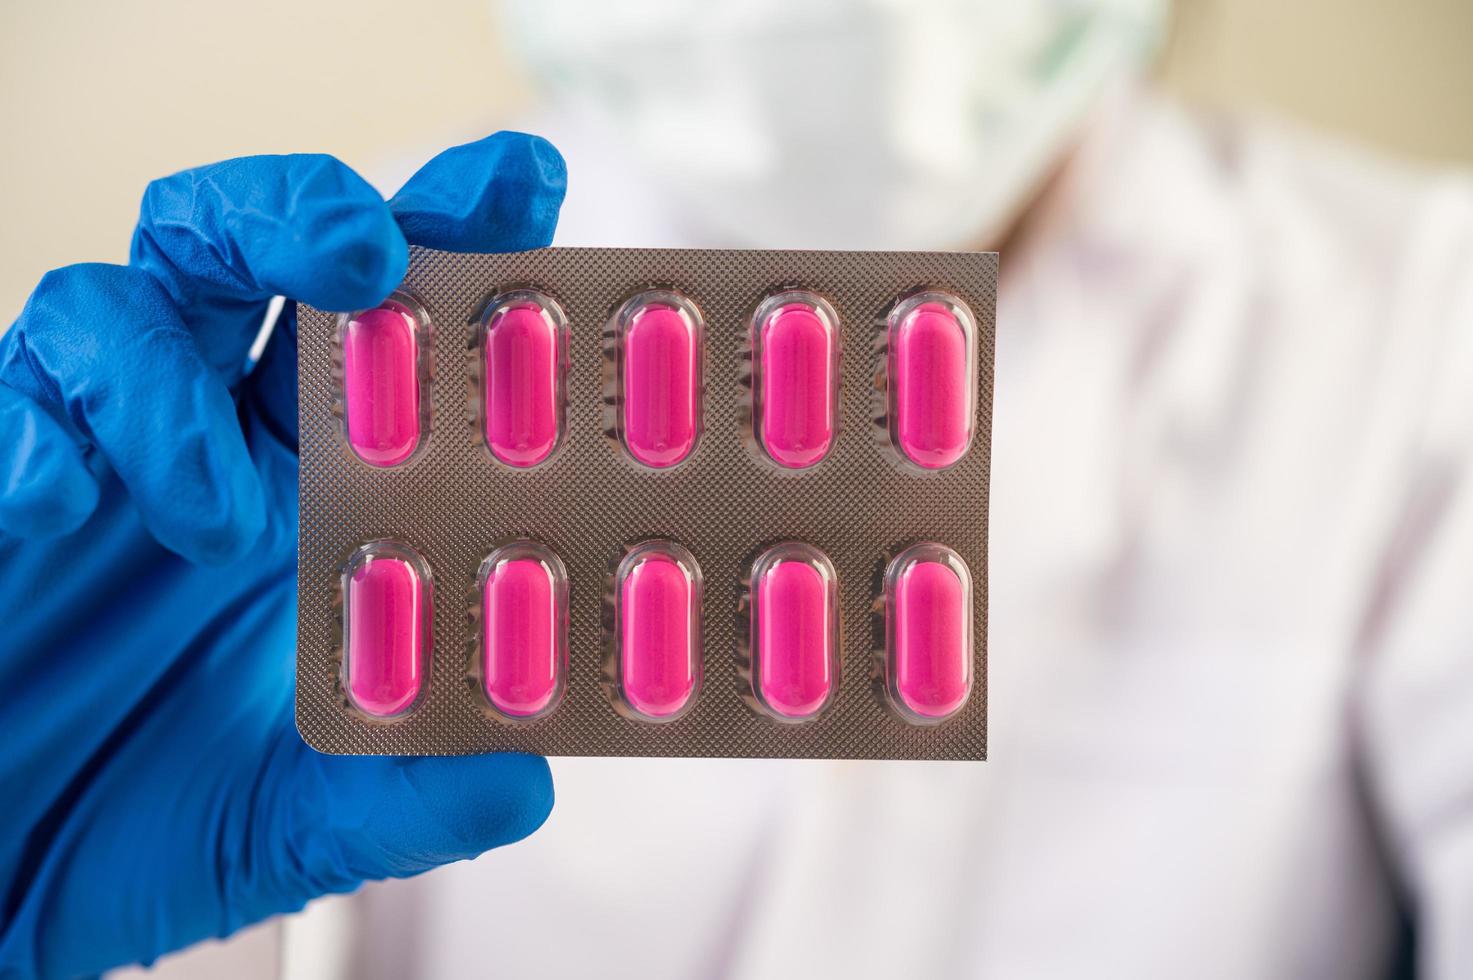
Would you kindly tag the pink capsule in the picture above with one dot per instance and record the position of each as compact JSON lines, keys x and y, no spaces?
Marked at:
{"x":931,"y":379}
{"x":381,"y":384}
{"x":929,"y":607}
{"x":794,"y":635}
{"x":661,"y":379}
{"x":797,"y":380}
{"x":385,"y":629}
{"x":524,"y":366}
{"x":659,"y":631}
{"x":524,"y":634}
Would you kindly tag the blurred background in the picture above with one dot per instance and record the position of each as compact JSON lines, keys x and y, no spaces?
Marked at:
{"x":100,"y":98}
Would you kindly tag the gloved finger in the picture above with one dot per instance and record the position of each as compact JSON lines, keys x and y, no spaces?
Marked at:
{"x":364,"y":817}
{"x":224,"y":238}
{"x":498,"y":194}
{"x":102,"y":348}
{"x":45,"y":486}
{"x":272,"y":385}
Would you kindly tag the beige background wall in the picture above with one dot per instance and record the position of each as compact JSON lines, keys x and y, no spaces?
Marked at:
{"x":1397,"y":74}
{"x":97,"y":98}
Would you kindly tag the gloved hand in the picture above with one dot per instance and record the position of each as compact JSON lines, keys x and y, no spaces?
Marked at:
{"x":153,"y":788}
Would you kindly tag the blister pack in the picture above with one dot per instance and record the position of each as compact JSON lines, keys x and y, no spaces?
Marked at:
{"x":652,"y":502}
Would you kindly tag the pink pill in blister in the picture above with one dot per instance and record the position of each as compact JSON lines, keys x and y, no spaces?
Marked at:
{"x":658,"y":631}
{"x":524,"y":361}
{"x":386,"y":617}
{"x":660,"y":338}
{"x":928,"y":611}
{"x":932,"y":379}
{"x":382,"y":389}
{"x":524,"y":632}
{"x":795,"y":365}
{"x":794,"y":636}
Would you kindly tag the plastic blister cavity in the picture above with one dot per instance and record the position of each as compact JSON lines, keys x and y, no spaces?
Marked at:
{"x":386,"y":603}
{"x":519,"y":650}
{"x":656,"y":664}
{"x":931,"y":343}
{"x":521,"y":351}
{"x":791,"y":637}
{"x":384,"y":373}
{"x":659,"y":349}
{"x":795,"y":377}
{"x":926,"y":664}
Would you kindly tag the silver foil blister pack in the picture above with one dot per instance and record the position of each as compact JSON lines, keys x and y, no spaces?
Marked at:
{"x":650,"y":502}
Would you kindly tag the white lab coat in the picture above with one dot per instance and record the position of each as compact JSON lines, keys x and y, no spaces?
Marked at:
{"x":1231,"y":650}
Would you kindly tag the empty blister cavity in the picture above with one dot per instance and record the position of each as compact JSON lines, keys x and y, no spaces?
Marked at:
{"x":927,"y":659}
{"x":386,"y":609}
{"x":520,"y":657}
{"x":385,"y":375}
{"x":656,"y":639}
{"x":660,"y":338}
{"x":795,"y":378}
{"x":792,"y":640}
{"x":523,"y":366}
{"x":931,"y":343}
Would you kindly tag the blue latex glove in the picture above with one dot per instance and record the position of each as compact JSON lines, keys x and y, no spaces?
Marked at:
{"x":155,"y":790}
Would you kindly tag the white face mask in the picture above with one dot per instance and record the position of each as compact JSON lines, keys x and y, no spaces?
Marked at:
{"x":835,"y":123}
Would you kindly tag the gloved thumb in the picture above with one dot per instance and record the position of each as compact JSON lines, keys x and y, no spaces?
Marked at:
{"x":356,"y":818}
